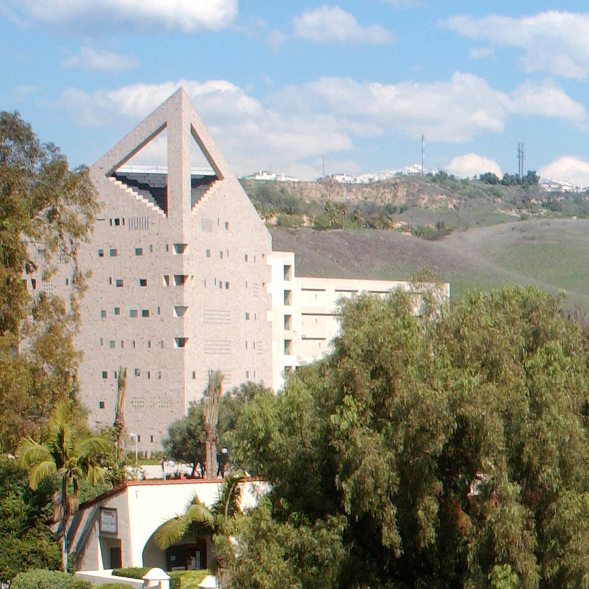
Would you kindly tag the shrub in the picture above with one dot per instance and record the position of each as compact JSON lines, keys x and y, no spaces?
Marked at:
{"x":43,"y":579}
{"x":131,"y":572}
{"x":116,"y":585}
{"x":187,"y":579}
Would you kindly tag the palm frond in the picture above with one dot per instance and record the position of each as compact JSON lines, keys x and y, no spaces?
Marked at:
{"x":93,"y":446}
{"x":228,"y":503}
{"x":29,"y":452}
{"x":38,"y":471}
{"x":171,"y":531}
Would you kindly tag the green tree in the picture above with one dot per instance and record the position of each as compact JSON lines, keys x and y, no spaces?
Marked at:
{"x":45,"y":211}
{"x":25,"y":539}
{"x":455,"y":444}
{"x":69,"y":455}
{"x":290,"y":554}
{"x":186,"y":436}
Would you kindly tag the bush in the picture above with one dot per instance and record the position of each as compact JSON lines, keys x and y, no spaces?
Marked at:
{"x":187,"y":579}
{"x":131,"y":572}
{"x":116,"y":585}
{"x":43,"y":579}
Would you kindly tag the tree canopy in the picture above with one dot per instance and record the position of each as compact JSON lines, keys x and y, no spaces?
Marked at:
{"x":454,"y":444}
{"x":46,"y":209}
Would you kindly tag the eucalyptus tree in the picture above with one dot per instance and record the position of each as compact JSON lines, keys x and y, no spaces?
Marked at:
{"x":455,"y":444}
{"x":46,"y":210}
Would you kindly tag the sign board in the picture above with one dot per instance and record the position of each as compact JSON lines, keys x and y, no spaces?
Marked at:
{"x":108,"y":521}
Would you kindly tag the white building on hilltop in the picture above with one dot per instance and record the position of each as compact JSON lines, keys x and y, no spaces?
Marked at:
{"x":184,"y":280}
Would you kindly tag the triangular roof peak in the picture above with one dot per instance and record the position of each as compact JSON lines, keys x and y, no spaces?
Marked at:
{"x":179,"y":118}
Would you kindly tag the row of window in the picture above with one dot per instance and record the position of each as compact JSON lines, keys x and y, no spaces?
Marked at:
{"x":132,"y":312}
{"x":112,"y":344}
{"x":179,"y":342}
{"x":120,"y":282}
{"x":178,"y":248}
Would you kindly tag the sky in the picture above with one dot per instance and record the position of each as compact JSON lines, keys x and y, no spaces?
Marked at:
{"x":299,"y":87}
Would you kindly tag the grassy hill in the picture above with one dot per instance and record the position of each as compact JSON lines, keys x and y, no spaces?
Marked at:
{"x":552,"y":253}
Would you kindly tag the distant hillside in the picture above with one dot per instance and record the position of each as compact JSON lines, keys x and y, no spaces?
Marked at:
{"x":552,"y":253}
{"x":408,"y":202}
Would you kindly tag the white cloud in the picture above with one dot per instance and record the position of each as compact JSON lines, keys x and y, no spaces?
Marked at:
{"x":290,"y":127}
{"x":453,"y":111}
{"x":91,"y":60}
{"x":472,"y":164}
{"x":481,"y":52}
{"x":531,"y":98}
{"x":567,"y":169}
{"x":95,"y":16}
{"x":552,"y":41}
{"x":249,"y":134}
{"x":404,"y":3}
{"x":330,"y":23}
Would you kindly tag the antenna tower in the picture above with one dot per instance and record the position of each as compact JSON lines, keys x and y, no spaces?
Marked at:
{"x":423,"y":155}
{"x":521,"y":155}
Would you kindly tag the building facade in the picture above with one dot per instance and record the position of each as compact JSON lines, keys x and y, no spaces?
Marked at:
{"x":184,"y":281}
{"x":179,"y":280}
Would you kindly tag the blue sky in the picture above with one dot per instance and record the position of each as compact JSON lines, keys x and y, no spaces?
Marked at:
{"x":283,"y":85}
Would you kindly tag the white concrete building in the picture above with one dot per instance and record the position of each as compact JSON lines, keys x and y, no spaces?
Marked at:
{"x":305,"y":311}
{"x":116,"y":528}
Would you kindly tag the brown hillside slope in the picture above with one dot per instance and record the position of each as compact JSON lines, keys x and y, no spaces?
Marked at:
{"x":552,"y":253}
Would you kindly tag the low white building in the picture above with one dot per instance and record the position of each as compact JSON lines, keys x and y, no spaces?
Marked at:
{"x":304,"y":313}
{"x":116,"y":528}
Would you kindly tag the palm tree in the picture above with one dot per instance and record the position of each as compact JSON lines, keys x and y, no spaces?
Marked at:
{"x":210,"y":416}
{"x":198,"y":516}
{"x":119,"y":423}
{"x":70,"y":456}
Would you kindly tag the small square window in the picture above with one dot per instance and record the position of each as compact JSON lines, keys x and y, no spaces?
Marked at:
{"x":138,"y":251}
{"x":151,"y":438}
{"x":113,"y":253}
{"x":33,"y":283}
{"x":101,"y":253}
{"x":111,"y":343}
{"x":221,"y":254}
{"x":227,"y":285}
{"x":133,"y":313}
{"x":247,"y":316}
{"x":208,"y":253}
{"x":148,"y":375}
{"x":149,"y":344}
{"x":143,"y":282}
{"x":193,"y":375}
{"x":144,"y":312}
{"x":119,"y":282}
{"x":102,"y":313}
{"x":161,"y":343}
{"x":226,"y":225}
{"x":167,"y":247}
{"x":181,"y":342}
{"x":166,"y":280}
{"x":100,"y":404}
{"x":150,"y":249}
{"x":245,"y":256}
{"x":159,"y":375}
{"x":110,"y":279}
{"x":117,"y":222}
{"x":104,"y":374}
{"x":67,"y":281}
{"x":117,"y":310}
{"x":132,"y":343}
{"x":137,"y":372}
